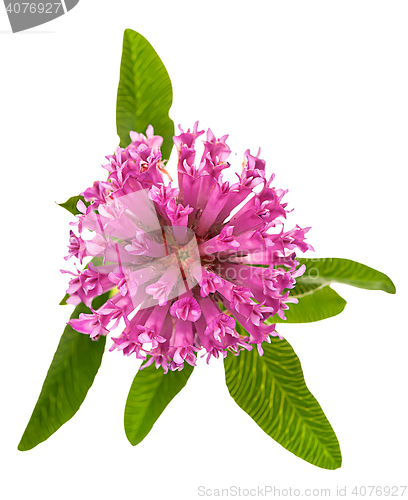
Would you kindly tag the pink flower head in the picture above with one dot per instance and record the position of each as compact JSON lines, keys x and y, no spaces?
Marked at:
{"x":86,"y":285}
{"x":90,"y":324}
{"x":139,"y":245}
{"x":149,"y":336}
{"x":187,"y":138}
{"x":124,"y":281}
{"x":210,"y":283}
{"x":76,"y":247}
{"x":217,"y":149}
{"x":188,"y":263}
{"x":254,"y":162}
{"x":152,"y":141}
{"x":163,"y":194}
{"x":182,"y":354}
{"x":159,"y":291}
{"x":186,"y":309}
{"x":240,"y":295}
{"x":97,"y":193}
{"x":222,"y":326}
{"x":177,"y":213}
{"x":226,"y":236}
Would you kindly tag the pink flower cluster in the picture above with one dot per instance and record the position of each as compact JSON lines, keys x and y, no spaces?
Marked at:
{"x":185,"y":264}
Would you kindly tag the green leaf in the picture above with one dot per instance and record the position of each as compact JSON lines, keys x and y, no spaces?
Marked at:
{"x":271,"y":389}
{"x":318,"y":304}
{"x":331,"y":270}
{"x":71,"y":374}
{"x":145,"y":94}
{"x":150,"y":393}
{"x":71,"y":204}
{"x":64,"y":300}
{"x":317,"y":300}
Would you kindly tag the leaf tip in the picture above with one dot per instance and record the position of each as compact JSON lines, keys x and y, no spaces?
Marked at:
{"x":22,"y":446}
{"x":337,"y":464}
{"x":130,"y":33}
{"x":133,"y":440}
{"x":64,"y":300}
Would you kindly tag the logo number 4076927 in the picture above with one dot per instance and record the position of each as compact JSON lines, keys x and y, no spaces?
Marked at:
{"x":33,"y":8}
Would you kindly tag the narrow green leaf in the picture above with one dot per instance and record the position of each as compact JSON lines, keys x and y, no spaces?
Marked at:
{"x":71,"y":204}
{"x":271,"y":389}
{"x":71,"y":374}
{"x":64,"y":300}
{"x":150,"y":393}
{"x":145,"y":93}
{"x":332,"y":270}
{"x":320,"y":303}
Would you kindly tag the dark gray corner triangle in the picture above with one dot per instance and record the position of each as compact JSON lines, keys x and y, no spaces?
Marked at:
{"x":25,"y":15}
{"x":70,"y":4}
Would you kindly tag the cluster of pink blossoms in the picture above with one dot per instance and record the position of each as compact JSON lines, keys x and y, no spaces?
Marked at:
{"x":182,"y":270}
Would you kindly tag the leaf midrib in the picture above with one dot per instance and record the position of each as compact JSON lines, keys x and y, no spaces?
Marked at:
{"x":312,"y":290}
{"x":294,"y":407}
{"x":143,"y":413}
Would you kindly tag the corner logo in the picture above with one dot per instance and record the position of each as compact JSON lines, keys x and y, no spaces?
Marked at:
{"x":25,"y":15}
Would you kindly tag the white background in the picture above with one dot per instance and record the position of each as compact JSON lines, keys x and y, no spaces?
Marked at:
{"x":322,"y":87}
